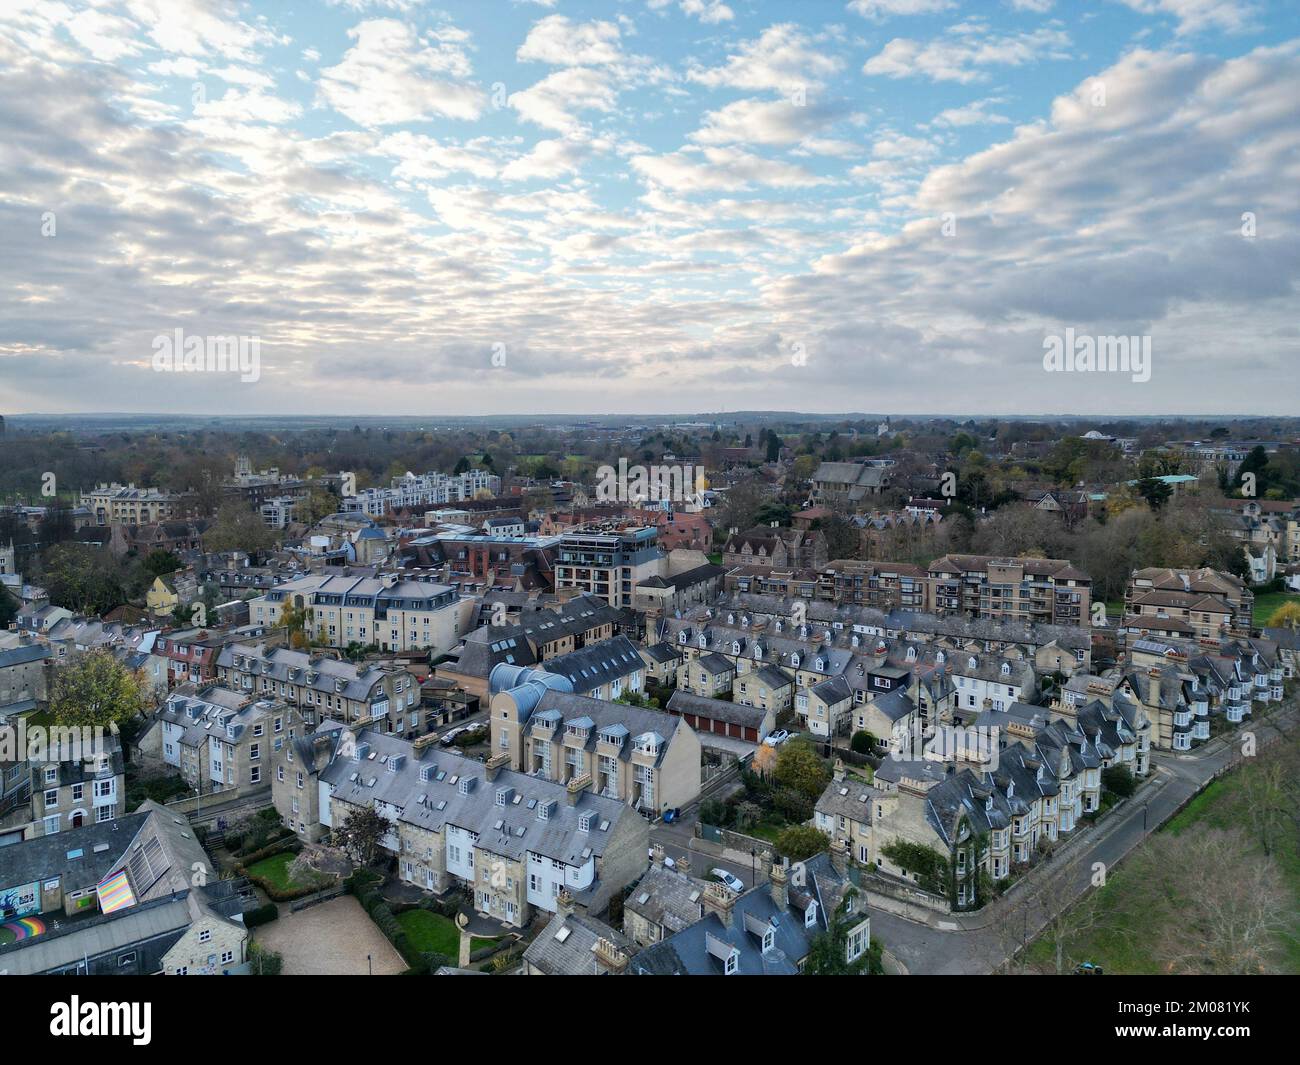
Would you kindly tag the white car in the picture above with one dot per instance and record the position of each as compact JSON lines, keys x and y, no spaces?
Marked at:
{"x":775,"y":739}
{"x":733,"y":882}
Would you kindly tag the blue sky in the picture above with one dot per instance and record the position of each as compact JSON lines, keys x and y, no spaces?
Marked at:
{"x":649,"y":205}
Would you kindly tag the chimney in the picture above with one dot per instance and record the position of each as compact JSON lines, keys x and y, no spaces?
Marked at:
{"x":720,"y":899}
{"x":608,"y":957}
{"x":564,"y":904}
{"x":838,"y":774}
{"x":779,"y":876}
{"x":574,"y":789}
{"x":684,"y":865}
{"x":493,"y":765}
{"x":657,"y":854}
{"x":764,"y":865}
{"x":840,"y":856}
{"x":1153,"y":688}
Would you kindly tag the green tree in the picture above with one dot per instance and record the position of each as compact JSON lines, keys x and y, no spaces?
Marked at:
{"x":98,"y":690}
{"x":1155,"y":491}
{"x":798,"y":767}
{"x":799,"y":842}
{"x":160,"y":563}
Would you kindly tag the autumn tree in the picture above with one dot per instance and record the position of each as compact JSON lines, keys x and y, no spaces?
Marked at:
{"x":98,"y":690}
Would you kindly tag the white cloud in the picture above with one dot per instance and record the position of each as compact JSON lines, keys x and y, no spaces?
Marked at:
{"x":556,"y":100}
{"x":782,"y":58}
{"x":1198,"y":16}
{"x":964,"y":52}
{"x":391,"y":75}
{"x":880,"y":9}
{"x":720,"y":169}
{"x":559,"y":41}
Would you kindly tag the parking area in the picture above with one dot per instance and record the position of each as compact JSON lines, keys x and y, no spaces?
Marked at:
{"x":331,"y":939}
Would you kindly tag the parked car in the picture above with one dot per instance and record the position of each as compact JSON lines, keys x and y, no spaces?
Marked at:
{"x":775,"y":739}
{"x":732,"y":881}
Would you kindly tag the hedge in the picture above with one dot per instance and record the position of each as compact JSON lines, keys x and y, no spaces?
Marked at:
{"x":261,"y":915}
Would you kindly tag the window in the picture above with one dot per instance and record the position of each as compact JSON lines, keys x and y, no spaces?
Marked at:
{"x":205,"y":935}
{"x":124,"y":960}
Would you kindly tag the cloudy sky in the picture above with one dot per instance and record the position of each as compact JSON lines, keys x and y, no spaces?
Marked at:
{"x":512,"y":206}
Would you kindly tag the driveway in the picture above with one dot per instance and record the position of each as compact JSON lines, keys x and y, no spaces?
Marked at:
{"x":330,"y":939}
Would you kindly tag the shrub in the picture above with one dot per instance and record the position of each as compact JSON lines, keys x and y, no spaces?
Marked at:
{"x":264,"y":962}
{"x":261,"y":915}
{"x":1118,"y":779}
{"x":792,"y":805}
{"x":801,"y":841}
{"x":862,"y":742}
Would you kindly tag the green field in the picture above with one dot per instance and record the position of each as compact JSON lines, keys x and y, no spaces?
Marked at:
{"x":429,"y":931}
{"x":275,"y":870}
{"x":1121,"y":944}
{"x":1267,"y":602}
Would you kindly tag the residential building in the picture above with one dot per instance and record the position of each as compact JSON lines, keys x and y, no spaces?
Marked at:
{"x":767,"y":930}
{"x":647,"y":758}
{"x":607,"y":562}
{"x":391,"y":614}
{"x":319,"y":687}
{"x":1047,"y":590}
{"x":219,"y":740}
{"x":129,"y":896}
{"x":1201,"y":603}
{"x":516,"y":842}
{"x":69,"y":792}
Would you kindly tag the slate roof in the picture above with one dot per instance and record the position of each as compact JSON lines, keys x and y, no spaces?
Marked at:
{"x":564,"y":947}
{"x":717,"y":709}
{"x":597,"y":664}
{"x":456,"y":790}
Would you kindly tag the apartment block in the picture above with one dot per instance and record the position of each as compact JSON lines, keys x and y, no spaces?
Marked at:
{"x":1051,"y":591}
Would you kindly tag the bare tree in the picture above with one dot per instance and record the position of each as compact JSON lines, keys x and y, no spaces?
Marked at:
{"x":1217,"y":905}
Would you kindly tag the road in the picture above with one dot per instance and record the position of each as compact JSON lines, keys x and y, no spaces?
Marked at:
{"x":990,"y":937}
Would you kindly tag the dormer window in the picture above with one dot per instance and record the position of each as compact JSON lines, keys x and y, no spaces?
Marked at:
{"x":810,"y":915}
{"x":733,"y":959}
{"x":681,"y":637}
{"x":1006,"y":669}
{"x":769,"y":939}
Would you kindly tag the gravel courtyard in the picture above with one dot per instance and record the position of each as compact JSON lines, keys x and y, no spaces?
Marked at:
{"x":330,"y":939}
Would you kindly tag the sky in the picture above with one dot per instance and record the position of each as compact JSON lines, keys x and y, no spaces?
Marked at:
{"x":649,"y":206}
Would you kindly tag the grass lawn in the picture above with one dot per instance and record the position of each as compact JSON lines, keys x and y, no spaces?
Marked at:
{"x":767,"y":830}
{"x":275,"y":870}
{"x":1267,"y":602}
{"x":1120,"y":945}
{"x":432,"y":931}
